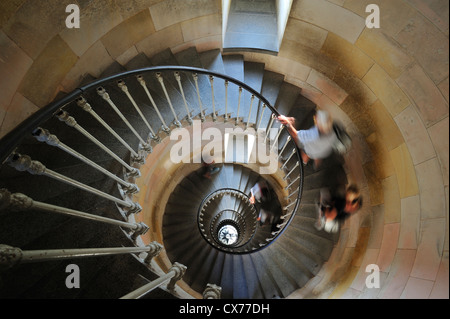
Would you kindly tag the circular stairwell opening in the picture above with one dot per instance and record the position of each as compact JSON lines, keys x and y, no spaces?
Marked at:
{"x":216,"y":212}
{"x":226,"y":219}
{"x":228,"y":233}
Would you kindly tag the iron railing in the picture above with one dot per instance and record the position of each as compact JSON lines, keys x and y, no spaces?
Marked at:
{"x":163,"y":98}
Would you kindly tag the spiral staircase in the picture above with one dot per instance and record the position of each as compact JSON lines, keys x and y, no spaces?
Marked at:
{"x":77,"y":176}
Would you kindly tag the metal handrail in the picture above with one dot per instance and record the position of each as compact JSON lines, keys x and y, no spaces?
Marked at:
{"x":10,"y":141}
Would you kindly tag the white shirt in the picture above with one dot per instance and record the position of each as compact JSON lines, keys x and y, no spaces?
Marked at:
{"x":256,"y":191}
{"x":316,"y":145}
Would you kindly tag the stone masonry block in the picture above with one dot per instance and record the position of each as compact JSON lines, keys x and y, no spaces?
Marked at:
{"x":40,"y":84}
{"x":430,"y":47}
{"x":415,"y":135}
{"x":329,"y":16}
{"x":439,"y":136}
{"x":14,"y":64}
{"x":386,"y":89}
{"x":128,"y":33}
{"x":431,"y":187}
{"x":421,"y":89}
{"x":305,"y":33}
{"x":347,"y":54}
{"x":385,"y":51}
{"x":169,"y":12}
{"x":404,"y":169}
{"x":35,"y":23}
{"x":97,"y":18}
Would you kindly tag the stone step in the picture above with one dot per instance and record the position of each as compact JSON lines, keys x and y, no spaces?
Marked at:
{"x":190,"y":57}
{"x":270,"y":90}
{"x":253,"y":77}
{"x":212,"y":61}
{"x":250,"y":27}
{"x":287,"y":97}
{"x":234,"y":67}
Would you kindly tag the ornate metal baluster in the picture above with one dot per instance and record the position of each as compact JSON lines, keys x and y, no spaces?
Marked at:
{"x":70,"y":121}
{"x":261,"y":117}
{"x":272,"y":118}
{"x":278,"y":136}
{"x":212,"y":292}
{"x":178,"y":78}
{"x":155,"y":251}
{"x":200,"y":105}
{"x":144,"y":145}
{"x":174,"y":274}
{"x":293,"y":193}
{"x":290,"y":172}
{"x":81,"y":102}
{"x":211,"y":80}
{"x":286,"y":222}
{"x":288,"y":159}
{"x":226,"y":101}
{"x":44,"y":135}
{"x":284,"y":146}
{"x":25,"y":163}
{"x":292,"y":183}
{"x":250,"y":111}
{"x":124,"y":88}
{"x":12,"y":256}
{"x":21,"y":202}
{"x":239,"y":106}
{"x":141,"y":80}
{"x":161,"y":81}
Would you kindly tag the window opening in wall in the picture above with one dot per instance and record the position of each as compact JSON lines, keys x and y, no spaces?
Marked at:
{"x":238,"y":147}
{"x":228,"y":235}
{"x":254,"y":24}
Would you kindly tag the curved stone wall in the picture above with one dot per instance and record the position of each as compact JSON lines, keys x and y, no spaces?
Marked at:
{"x":388,"y":85}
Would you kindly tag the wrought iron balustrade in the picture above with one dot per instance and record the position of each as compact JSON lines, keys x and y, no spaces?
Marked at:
{"x":149,"y":103}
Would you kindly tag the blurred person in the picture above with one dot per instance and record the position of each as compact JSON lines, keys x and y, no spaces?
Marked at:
{"x":336,"y":205}
{"x":316,"y":143}
{"x":265,"y":200}
{"x":209,"y":167}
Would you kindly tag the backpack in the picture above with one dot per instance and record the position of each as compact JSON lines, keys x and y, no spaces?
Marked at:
{"x":343,"y":142}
